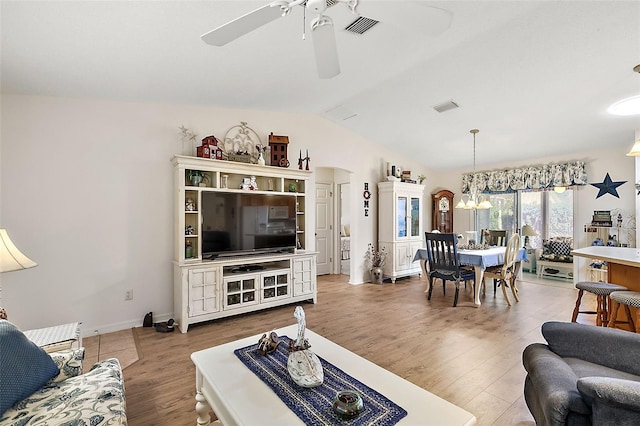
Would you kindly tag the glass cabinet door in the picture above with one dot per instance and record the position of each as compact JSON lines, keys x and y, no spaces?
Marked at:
{"x":402,"y":216}
{"x":415,"y":217}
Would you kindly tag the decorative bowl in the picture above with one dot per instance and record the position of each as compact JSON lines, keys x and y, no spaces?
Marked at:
{"x":347,"y":404}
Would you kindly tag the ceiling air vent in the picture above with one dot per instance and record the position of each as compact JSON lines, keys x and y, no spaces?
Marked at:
{"x":446,"y":106}
{"x":361,"y":25}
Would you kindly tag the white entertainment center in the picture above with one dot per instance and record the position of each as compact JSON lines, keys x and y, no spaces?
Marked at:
{"x":207,"y":289}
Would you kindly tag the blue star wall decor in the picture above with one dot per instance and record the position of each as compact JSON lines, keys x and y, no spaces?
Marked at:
{"x":608,"y":186}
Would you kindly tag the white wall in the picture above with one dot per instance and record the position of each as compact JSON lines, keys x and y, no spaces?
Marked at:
{"x":86,"y":190}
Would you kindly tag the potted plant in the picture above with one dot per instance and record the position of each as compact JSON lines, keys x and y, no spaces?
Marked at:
{"x":197,"y":176}
{"x":375,"y":262}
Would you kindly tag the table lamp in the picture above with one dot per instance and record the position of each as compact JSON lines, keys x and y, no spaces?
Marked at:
{"x":11,"y":259}
{"x":528,"y":231}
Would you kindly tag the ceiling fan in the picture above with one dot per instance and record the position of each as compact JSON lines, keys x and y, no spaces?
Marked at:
{"x":324,"y":41}
{"x":414,"y":15}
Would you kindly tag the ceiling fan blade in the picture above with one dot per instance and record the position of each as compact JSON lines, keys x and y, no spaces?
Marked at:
{"x":324,"y":45}
{"x":242,"y":25}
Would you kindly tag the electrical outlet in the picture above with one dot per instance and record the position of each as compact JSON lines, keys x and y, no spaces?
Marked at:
{"x":128,"y":295}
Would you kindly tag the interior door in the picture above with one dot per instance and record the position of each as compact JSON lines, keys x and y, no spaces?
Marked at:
{"x":324,"y":228}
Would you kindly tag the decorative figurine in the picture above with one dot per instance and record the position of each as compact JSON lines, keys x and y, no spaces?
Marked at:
{"x":302,"y":160}
{"x":189,"y":205}
{"x":268,"y":343}
{"x":303,"y":365}
{"x":246,"y":182}
{"x":188,"y":230}
{"x":253,"y":185}
{"x":260,"y":160}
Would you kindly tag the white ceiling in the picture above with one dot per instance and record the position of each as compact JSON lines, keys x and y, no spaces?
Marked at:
{"x":535,"y":77}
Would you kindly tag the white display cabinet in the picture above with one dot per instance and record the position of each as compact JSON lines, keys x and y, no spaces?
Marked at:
{"x":400,"y":227}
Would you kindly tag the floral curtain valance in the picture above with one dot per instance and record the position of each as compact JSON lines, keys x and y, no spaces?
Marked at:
{"x":529,"y":177}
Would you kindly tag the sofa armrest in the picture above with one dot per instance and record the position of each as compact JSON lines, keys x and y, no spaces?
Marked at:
{"x":609,"y":347}
{"x":554,"y":382}
{"x":613,"y":401}
{"x":538,"y":253}
{"x":69,"y":361}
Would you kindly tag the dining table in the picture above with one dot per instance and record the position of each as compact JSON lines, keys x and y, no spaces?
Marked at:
{"x":480,"y":259}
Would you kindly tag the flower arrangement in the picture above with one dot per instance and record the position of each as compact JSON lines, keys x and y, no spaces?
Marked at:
{"x":375,"y":258}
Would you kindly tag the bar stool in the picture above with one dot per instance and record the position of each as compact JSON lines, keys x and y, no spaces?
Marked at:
{"x":626,"y":298}
{"x":602,"y":292}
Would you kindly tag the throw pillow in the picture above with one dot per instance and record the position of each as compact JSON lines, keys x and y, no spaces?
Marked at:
{"x":24,"y":366}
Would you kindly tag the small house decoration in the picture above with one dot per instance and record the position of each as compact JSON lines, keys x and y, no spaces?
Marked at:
{"x":210,"y":148}
{"x":278,"y":145}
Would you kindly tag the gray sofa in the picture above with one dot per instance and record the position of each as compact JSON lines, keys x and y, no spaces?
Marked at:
{"x":584,"y":375}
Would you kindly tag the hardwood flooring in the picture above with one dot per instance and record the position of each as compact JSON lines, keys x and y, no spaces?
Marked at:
{"x":469,"y":356}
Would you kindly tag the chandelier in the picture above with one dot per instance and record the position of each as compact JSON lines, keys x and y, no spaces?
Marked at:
{"x":474,"y":200}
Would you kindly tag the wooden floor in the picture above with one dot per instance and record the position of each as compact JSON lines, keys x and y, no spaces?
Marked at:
{"x":469,"y":356}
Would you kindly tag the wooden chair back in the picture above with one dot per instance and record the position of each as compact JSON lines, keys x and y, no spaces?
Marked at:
{"x":442,"y":252}
{"x":494,"y":237}
{"x":510,"y":255}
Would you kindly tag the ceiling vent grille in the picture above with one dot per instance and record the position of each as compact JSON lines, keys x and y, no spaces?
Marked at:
{"x":361,"y":25}
{"x":446,"y":106}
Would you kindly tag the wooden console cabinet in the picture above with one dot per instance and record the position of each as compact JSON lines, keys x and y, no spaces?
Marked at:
{"x":209,"y":289}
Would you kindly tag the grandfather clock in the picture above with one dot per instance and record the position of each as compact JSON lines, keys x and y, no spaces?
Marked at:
{"x":442,"y":213}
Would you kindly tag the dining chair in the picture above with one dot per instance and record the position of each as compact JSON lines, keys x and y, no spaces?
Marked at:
{"x":442,"y":255}
{"x":505,"y":274}
{"x":494,"y":237}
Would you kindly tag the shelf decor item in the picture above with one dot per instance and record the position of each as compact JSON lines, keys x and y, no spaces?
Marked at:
{"x":278,"y":145}
{"x":303,"y":366}
{"x":197,"y":177}
{"x":188,"y":139}
{"x":242,"y":144}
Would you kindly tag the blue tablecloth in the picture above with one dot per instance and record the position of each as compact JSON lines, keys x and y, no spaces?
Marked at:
{"x":483,"y":258}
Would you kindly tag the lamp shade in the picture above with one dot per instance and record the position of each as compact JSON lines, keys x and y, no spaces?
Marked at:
{"x":635,"y":150}
{"x":528,"y":231}
{"x":12,"y":259}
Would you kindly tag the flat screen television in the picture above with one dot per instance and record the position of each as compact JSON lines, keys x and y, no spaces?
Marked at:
{"x":236,"y":223}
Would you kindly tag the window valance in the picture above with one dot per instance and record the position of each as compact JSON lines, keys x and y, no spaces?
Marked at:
{"x":528,"y":177}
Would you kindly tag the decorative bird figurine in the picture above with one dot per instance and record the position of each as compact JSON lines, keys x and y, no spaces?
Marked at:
{"x":303,"y":365}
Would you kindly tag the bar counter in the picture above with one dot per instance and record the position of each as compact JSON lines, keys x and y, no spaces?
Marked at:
{"x":623,"y":268}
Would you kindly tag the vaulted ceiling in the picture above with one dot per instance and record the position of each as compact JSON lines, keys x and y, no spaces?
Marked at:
{"x":535,"y":77}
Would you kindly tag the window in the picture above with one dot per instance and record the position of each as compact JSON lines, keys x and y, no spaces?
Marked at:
{"x":548,"y":212}
{"x":502,"y":215}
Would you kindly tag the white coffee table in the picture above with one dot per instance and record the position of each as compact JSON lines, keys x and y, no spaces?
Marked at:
{"x":238,"y":396}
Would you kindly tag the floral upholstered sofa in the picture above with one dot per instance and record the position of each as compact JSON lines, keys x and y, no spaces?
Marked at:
{"x":555,"y":259}
{"x":66,"y":397}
